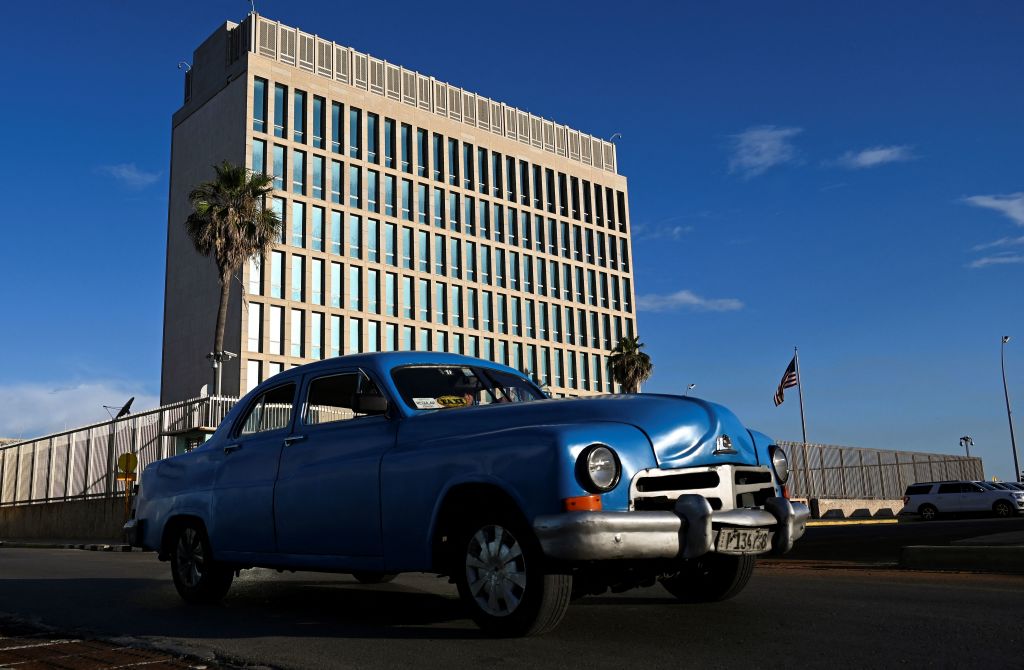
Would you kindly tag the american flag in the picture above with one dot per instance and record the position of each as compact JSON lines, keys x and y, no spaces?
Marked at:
{"x":789,"y":380}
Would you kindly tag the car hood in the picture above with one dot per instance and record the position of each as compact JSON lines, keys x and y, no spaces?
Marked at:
{"x":683,"y":431}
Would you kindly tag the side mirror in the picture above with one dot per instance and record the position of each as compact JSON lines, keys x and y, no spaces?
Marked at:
{"x":370,"y":404}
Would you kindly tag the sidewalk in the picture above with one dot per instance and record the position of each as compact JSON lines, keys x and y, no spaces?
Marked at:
{"x":88,"y":545}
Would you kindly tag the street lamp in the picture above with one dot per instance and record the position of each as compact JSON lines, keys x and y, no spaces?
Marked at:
{"x":967,"y":442}
{"x":1009,"y":414}
{"x":689,"y":387}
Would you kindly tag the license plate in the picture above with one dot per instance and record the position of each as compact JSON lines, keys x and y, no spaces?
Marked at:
{"x":742,"y":541}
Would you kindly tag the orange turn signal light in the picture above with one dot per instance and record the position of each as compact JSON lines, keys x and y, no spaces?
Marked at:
{"x":582,"y":504}
{"x":785,"y":492}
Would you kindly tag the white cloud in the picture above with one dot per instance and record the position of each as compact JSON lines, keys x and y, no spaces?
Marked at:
{"x":757,"y":149}
{"x":31,"y":410}
{"x":1001,"y":242}
{"x":646,"y":232}
{"x":873,"y":156}
{"x":1011,"y":205}
{"x":130,"y":174}
{"x":998,"y":259}
{"x":686,"y":300}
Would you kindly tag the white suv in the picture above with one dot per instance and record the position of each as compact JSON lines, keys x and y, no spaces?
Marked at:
{"x":929,"y":499}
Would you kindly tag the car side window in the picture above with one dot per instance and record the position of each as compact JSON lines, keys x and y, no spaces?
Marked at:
{"x":949,"y":488}
{"x":271,"y":411}
{"x":331,"y":399}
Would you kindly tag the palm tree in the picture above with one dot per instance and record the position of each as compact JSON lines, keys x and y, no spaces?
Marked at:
{"x":629,"y":366}
{"x":230,"y":221}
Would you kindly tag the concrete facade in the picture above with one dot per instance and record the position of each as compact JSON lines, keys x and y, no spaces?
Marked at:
{"x":324,"y":291}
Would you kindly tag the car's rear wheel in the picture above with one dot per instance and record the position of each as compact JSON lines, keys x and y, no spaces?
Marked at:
{"x":502,"y":579}
{"x":928,"y":512}
{"x":374,"y":577}
{"x":709,"y":578}
{"x":1002,"y":509}
{"x":199,"y":579}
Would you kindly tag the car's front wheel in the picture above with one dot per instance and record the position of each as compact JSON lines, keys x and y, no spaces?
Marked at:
{"x":1002,"y":509}
{"x":928,"y":512}
{"x":199,"y":579}
{"x":502,"y":579}
{"x":709,"y":578}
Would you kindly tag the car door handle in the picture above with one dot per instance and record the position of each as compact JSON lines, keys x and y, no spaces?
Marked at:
{"x":232,"y":447}
{"x":292,"y":439}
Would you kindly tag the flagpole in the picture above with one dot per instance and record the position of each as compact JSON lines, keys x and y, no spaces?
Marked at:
{"x":800,"y":391}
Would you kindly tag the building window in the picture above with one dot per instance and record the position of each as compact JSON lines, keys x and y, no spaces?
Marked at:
{"x":468,"y":214}
{"x":335,"y":335}
{"x":256,"y":276}
{"x":390,"y":287}
{"x":510,"y":178}
{"x":279,"y":167}
{"x":499,"y":267}
{"x":423,"y":246}
{"x":467,"y":166}
{"x":259,"y":156}
{"x":499,"y":223}
{"x":280,"y":110}
{"x":372,"y":181}
{"x":453,"y":211}
{"x":407,"y":311}
{"x":407,"y":338}
{"x":298,"y":278}
{"x":502,"y":310}
{"x":276,"y":274}
{"x":373,"y":240}
{"x":423,"y":300}
{"x":337,"y":128}
{"x":456,"y":305}
{"x":318,"y":177}
{"x":496,"y":164}
{"x":372,"y":288}
{"x":336,"y":285}
{"x":406,"y":148}
{"x":389,"y":195}
{"x":524,"y":183}
{"x":389,"y":142}
{"x":259,"y":105}
{"x":355,"y":186}
{"x":255,"y":339}
{"x":563,"y":195}
{"x":422,"y":203}
{"x":390,"y":337}
{"x":438,"y":208}
{"x":317,"y":281}
{"x":441,"y":302}
{"x":318,"y":122}
{"x":422,"y":152}
{"x":471,"y":309}
{"x":297,"y":339}
{"x":335,"y":239}
{"x":481,"y":166}
{"x":538,"y":188}
{"x":252,"y":375}
{"x":355,"y":289}
{"x":488,"y":311}
{"x":372,"y":121}
{"x":471,"y":261}
{"x":485,"y":220}
{"x":316,"y":336}
{"x":355,"y":133}
{"x":455,"y":258}
{"x":276,"y":329}
{"x":407,"y":248}
{"x":424,"y":344}
{"x":390,"y":242}
{"x":299,"y":120}
{"x":355,"y":335}
{"x":438,"y":166}
{"x":453,"y":161}
{"x":298,"y":224}
{"x":298,"y":172}
{"x":336,"y":182}
{"x":406,"y":200}
{"x":485,"y":264}
{"x":355,"y":236}
{"x":439,"y":254}
{"x":586,"y":201}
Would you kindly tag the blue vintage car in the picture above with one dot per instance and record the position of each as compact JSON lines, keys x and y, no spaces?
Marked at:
{"x":384,"y":463}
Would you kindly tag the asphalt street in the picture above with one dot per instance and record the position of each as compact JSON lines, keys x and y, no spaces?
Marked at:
{"x":790,"y":615}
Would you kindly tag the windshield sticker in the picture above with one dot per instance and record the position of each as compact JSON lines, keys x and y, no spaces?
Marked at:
{"x":452,"y":401}
{"x":426,"y":403}
{"x":468,"y":372}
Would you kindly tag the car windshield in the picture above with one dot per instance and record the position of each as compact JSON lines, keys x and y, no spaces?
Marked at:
{"x":986,"y":486}
{"x":429,"y":387}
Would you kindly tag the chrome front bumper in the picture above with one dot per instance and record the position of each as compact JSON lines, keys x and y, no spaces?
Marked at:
{"x":690,"y":530}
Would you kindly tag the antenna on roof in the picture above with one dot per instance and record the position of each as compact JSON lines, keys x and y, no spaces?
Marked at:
{"x":615,"y":136}
{"x":125,"y":410}
{"x":182,"y":65}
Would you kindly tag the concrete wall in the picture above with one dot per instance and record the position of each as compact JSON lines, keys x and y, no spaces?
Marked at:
{"x":853,"y":508}
{"x":99,"y":520}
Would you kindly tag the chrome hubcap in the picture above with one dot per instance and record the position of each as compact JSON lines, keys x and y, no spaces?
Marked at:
{"x":495,"y":570}
{"x":189,"y":558}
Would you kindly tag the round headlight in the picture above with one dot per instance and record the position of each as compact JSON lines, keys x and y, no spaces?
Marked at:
{"x":780,"y":464}
{"x":598,"y":469}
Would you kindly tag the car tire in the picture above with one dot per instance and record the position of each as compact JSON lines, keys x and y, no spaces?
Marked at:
{"x":710,"y":578}
{"x":928,"y":512}
{"x":1002,"y":509}
{"x":503,"y":580}
{"x":374,"y":577}
{"x":199,"y":579}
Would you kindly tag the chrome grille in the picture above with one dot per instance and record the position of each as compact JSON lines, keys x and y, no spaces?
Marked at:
{"x":725,"y":486}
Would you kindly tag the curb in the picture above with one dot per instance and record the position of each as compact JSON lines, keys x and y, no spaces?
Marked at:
{"x":52,"y":545}
{"x":976,"y":559}
{"x":850,"y":522}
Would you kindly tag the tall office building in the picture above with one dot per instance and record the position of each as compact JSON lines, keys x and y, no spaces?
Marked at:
{"x":417,"y":215}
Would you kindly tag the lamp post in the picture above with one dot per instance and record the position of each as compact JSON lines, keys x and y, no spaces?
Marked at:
{"x":689,"y":387}
{"x":967,"y":442}
{"x":1009,"y":414}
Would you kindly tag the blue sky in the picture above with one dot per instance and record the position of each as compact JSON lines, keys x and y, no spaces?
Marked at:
{"x":842,"y":177}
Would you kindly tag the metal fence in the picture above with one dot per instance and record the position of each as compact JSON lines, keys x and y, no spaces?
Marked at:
{"x":82,"y":463}
{"x":829,"y":471}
